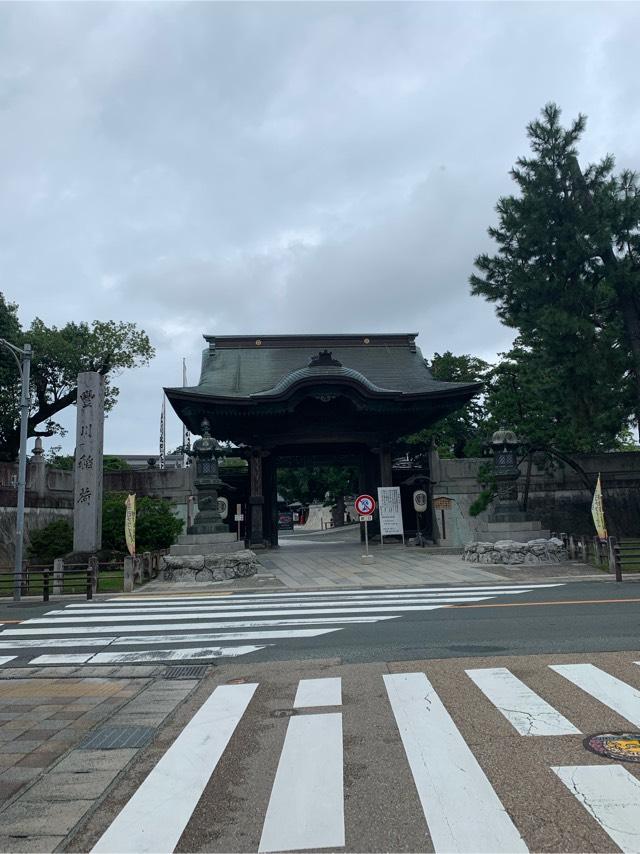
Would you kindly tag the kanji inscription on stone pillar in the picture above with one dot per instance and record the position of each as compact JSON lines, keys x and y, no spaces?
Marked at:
{"x":87,"y":491}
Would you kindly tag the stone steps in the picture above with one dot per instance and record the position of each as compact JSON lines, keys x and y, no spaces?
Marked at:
{"x":206,"y":539}
{"x":205,"y":549}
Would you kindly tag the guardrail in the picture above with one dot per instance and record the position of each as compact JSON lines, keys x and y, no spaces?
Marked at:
{"x":66,"y":579}
{"x":613,"y":554}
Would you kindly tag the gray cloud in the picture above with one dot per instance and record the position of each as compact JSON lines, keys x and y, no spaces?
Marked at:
{"x":264,"y":167}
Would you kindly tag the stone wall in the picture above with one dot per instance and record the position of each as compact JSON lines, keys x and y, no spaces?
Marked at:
{"x":558,"y":498}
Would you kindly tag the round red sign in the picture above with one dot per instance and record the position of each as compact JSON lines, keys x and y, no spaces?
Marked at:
{"x":365,"y":505}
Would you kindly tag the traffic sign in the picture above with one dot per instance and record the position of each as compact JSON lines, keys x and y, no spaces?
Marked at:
{"x":365,"y":505}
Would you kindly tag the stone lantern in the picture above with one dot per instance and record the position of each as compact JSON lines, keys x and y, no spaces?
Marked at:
{"x":504,"y":445}
{"x":205,"y":452}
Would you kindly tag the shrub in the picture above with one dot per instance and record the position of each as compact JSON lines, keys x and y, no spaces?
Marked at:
{"x":156,"y":526}
{"x":52,"y":541}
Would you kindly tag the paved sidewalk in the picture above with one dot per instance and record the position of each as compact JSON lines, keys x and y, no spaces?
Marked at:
{"x":48,"y":779}
{"x":332,"y":559}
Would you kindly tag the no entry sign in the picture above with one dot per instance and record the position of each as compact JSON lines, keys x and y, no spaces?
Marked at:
{"x":365,"y":505}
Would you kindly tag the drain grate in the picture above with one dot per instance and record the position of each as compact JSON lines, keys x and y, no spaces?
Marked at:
{"x":186,"y":671}
{"x":116,"y":737}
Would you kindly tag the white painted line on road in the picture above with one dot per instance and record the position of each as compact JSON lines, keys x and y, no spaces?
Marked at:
{"x":155,"y":817}
{"x":614,"y":693}
{"x":223,"y":604}
{"x":611,"y":795}
{"x":5,"y":659}
{"x":150,"y":617}
{"x":463,"y":812}
{"x":522,"y":707}
{"x":364,"y":591}
{"x":171,"y":627}
{"x":318,"y":692}
{"x":79,"y":615}
{"x":36,"y":644}
{"x":221,"y":636}
{"x":306,"y":808}
{"x":148,"y":655}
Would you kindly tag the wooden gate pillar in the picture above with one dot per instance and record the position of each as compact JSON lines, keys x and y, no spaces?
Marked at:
{"x":386,"y":473}
{"x":256,"y":499}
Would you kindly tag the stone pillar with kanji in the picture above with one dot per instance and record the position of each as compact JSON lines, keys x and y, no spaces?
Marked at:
{"x":87,"y":487}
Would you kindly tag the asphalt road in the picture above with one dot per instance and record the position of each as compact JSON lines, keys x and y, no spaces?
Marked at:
{"x":578,"y":617}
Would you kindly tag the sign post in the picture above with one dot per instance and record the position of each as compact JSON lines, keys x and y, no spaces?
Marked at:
{"x":365,"y":506}
{"x":390,"y":512}
{"x":239,"y":517}
{"x":420,"y":506}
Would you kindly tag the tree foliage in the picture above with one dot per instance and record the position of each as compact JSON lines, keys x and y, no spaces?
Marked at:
{"x":156,"y":525}
{"x":59,"y":354}
{"x":50,"y":542}
{"x":566,"y":277}
{"x":110,"y":462}
{"x":310,"y":484}
{"x":459,"y":434}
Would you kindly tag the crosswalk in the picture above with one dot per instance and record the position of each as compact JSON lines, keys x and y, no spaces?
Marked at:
{"x":462,"y":801}
{"x":181,"y":628}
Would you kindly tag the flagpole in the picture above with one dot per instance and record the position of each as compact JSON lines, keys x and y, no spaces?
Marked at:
{"x":186,"y":437}
{"x":163,"y":416}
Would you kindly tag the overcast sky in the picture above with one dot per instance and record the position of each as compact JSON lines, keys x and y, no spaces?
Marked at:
{"x":281,"y":167}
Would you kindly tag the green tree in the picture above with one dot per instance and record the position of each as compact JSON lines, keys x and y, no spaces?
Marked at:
{"x":156,"y":525}
{"x":110,"y":462}
{"x":59,"y":354}
{"x":53,"y":541}
{"x":566,"y":277}
{"x":461,"y":433}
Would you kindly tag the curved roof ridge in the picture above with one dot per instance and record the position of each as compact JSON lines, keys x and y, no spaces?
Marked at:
{"x":323,"y":372}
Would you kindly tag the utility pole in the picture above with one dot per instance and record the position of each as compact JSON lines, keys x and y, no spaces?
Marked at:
{"x":24,"y":367}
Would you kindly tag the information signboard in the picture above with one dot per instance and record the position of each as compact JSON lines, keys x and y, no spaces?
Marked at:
{"x":390,"y":511}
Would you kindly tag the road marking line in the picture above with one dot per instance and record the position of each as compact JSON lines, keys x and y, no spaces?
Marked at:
{"x":365,"y":591}
{"x":545,"y":604}
{"x":306,"y":807}
{"x":63,"y":658}
{"x":463,"y":812}
{"x":611,"y":795}
{"x":612,"y":692}
{"x":5,"y":659}
{"x":148,"y":655}
{"x":37,"y":644}
{"x":522,"y":707}
{"x":171,"y":627}
{"x":155,"y":817}
{"x":318,"y":692}
{"x":150,"y":617}
{"x":76,"y":614}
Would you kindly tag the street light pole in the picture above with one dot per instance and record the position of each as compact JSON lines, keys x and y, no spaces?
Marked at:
{"x":24,"y":367}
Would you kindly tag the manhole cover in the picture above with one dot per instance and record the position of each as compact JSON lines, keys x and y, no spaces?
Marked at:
{"x":115,"y":737}
{"x":624,"y":746}
{"x":186,"y":671}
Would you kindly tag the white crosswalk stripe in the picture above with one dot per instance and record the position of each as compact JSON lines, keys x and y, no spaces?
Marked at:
{"x":305,"y":810}
{"x":522,"y":707}
{"x":201,"y":628}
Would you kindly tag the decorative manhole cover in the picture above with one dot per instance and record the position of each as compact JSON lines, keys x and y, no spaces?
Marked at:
{"x":116,"y":737}
{"x":624,"y":746}
{"x":186,"y":671}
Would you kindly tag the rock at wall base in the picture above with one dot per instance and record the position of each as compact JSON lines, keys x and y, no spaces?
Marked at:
{"x":510,"y":552}
{"x":209,"y":567}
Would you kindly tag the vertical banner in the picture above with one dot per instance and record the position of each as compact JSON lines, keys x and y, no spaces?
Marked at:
{"x":130,"y":524}
{"x":597,"y":511}
{"x":87,"y":469}
{"x":390,"y":510}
